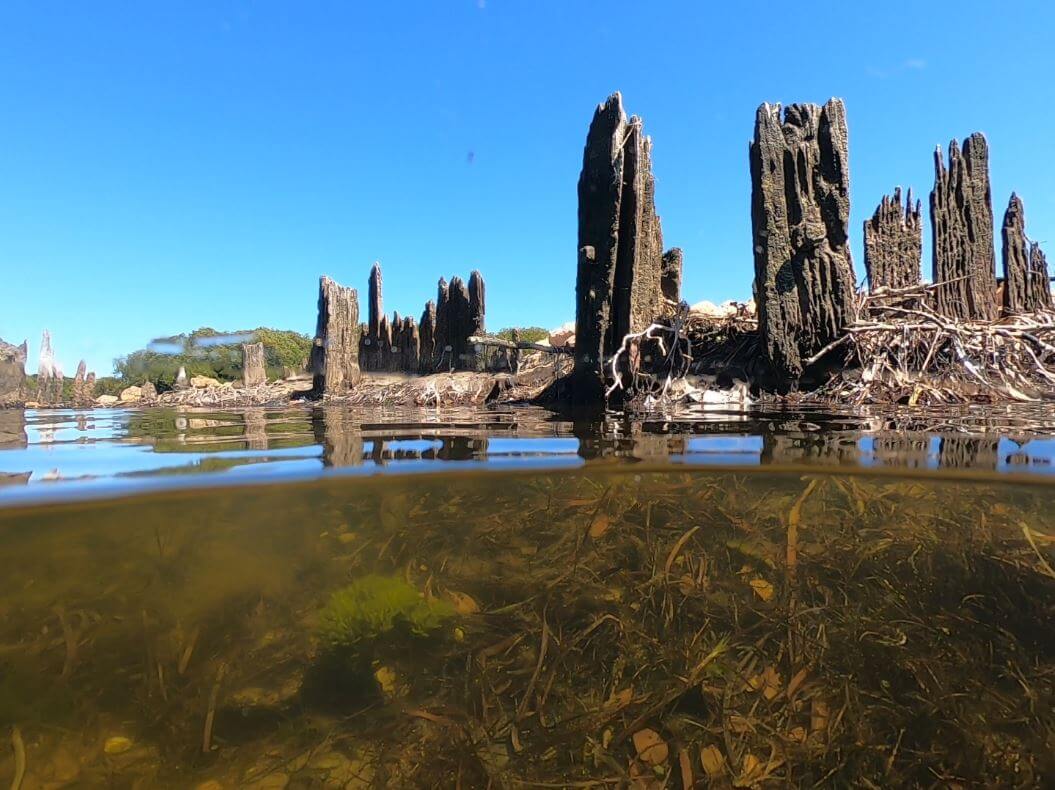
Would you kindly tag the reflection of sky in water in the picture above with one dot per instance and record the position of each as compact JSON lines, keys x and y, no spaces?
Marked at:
{"x":109,"y":450}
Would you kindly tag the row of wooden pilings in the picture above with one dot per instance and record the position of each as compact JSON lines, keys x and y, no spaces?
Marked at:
{"x":804,"y":281}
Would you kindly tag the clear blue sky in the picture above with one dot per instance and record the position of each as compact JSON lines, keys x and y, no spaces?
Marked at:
{"x":166,"y":165}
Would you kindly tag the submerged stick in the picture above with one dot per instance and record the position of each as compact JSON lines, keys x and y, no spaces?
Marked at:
{"x":206,"y":737}
{"x":20,"y":758}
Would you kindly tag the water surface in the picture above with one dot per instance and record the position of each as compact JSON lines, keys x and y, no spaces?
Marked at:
{"x":76,"y":453}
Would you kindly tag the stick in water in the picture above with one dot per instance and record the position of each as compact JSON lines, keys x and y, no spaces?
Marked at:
{"x":20,"y":758}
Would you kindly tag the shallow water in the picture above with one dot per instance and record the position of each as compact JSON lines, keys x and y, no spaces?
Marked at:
{"x":544,"y":628}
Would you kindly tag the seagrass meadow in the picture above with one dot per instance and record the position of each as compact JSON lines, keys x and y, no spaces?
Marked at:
{"x":601,"y":627}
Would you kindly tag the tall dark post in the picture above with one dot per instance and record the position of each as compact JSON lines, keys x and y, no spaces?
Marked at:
{"x":618,"y":287}
{"x":477,"y":303}
{"x":1027,"y":287}
{"x":459,"y":321}
{"x":800,"y":211}
{"x":427,"y":345}
{"x":442,"y":353}
{"x":961,"y":213}
{"x":894,"y":243}
{"x":375,"y":302}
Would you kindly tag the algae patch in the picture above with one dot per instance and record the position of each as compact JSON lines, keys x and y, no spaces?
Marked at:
{"x":375,"y":606}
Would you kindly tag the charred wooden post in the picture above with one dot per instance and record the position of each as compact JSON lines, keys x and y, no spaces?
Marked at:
{"x":459,"y":321}
{"x":254,"y":371}
{"x":1027,"y":287}
{"x":373,"y":354}
{"x":477,"y":303}
{"x":894,"y":243}
{"x":800,"y":211}
{"x":961,"y":213}
{"x":382,"y":345}
{"x":13,"y":374}
{"x":670,"y":282}
{"x":410,"y":346}
{"x":335,"y":354}
{"x":81,"y":396}
{"x":619,"y":271}
{"x":427,"y":344}
{"x":443,"y":349}
{"x":375,"y":305}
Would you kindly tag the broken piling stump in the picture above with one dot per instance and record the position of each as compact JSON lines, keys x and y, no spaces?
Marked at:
{"x":335,"y":353}
{"x":894,"y":243}
{"x":1027,"y":287}
{"x":13,"y":374}
{"x":961,"y":212}
{"x":618,"y":285}
{"x":800,"y":210}
{"x":254,"y":370}
{"x":459,"y":321}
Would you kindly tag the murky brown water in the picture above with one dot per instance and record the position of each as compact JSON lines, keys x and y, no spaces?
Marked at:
{"x":587,"y":627}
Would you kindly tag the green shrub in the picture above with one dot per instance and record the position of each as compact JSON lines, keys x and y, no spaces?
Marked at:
{"x":528,"y":334}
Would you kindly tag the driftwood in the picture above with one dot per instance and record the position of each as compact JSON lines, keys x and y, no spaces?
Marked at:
{"x":901,"y":349}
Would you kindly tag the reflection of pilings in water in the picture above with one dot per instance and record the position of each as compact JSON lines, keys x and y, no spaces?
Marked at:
{"x":613,"y":439}
{"x":461,"y":448}
{"x":377,"y":450}
{"x":255,"y":429}
{"x":12,"y":428}
{"x":809,"y":447}
{"x":340,"y":435}
{"x":968,"y":452}
{"x":910,"y":450}
{"x":656,"y":445}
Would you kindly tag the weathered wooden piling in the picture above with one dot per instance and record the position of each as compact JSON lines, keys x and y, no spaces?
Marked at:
{"x":961,"y":211}
{"x":82,"y":395}
{"x":335,"y":353}
{"x":427,"y":335}
{"x":13,"y":374}
{"x":1027,"y":287}
{"x":254,"y":368}
{"x":894,"y":243}
{"x":459,"y":321}
{"x":442,"y":358}
{"x":477,"y":304}
{"x":800,"y":210}
{"x":619,"y":273}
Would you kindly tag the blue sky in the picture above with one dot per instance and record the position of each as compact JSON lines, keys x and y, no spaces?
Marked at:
{"x":168,"y":165}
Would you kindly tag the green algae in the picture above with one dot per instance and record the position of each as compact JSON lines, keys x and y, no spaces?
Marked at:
{"x":374,"y":606}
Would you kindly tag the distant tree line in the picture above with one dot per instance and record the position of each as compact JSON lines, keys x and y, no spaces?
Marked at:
{"x":528,"y":334}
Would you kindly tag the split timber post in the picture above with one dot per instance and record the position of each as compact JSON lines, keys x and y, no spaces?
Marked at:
{"x":254,"y":371}
{"x":800,"y":211}
{"x":619,"y":283}
{"x":335,"y":352}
